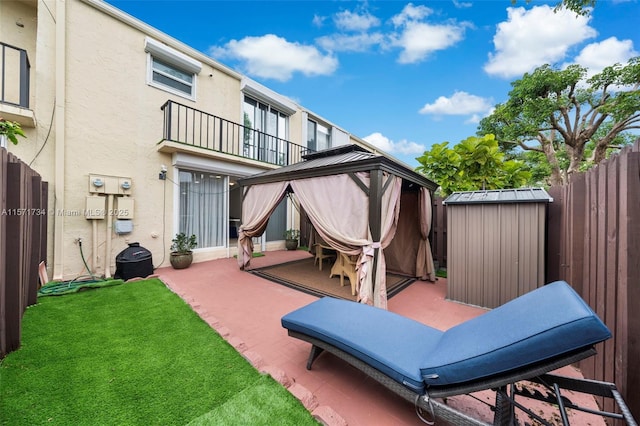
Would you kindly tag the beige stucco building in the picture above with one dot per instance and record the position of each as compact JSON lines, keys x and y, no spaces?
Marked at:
{"x":139,"y":135}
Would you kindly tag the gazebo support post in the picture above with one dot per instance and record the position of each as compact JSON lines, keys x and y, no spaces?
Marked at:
{"x":375,"y":218}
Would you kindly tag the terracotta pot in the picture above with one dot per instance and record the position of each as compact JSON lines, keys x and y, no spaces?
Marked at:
{"x":181,"y":260}
{"x":291,"y":244}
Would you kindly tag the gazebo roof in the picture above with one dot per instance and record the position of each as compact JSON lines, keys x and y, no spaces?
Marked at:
{"x":342,"y":159}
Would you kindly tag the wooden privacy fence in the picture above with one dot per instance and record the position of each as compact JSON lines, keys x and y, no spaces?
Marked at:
{"x":23,"y":244}
{"x":594,"y":244}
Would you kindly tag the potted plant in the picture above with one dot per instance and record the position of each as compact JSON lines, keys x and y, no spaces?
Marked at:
{"x":181,"y":250}
{"x":291,"y":237}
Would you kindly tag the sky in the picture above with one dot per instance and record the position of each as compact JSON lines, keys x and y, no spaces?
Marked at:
{"x":400,"y":75}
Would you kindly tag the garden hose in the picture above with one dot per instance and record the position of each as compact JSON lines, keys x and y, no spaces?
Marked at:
{"x":56,"y":288}
{"x":83,"y":259}
{"x":73,"y":286}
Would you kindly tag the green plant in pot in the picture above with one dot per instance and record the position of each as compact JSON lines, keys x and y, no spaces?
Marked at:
{"x":291,"y":237}
{"x":182,"y":250}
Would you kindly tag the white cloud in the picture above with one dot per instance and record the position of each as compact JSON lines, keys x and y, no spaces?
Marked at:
{"x":596,"y":56}
{"x":415,"y":38}
{"x":462,"y":5}
{"x":460,"y":103}
{"x":404,"y":146}
{"x":350,"y":42}
{"x":528,"y":39}
{"x":418,"y":39}
{"x":411,"y":13}
{"x":274,"y":57}
{"x":353,"y":21}
{"x":318,"y":20}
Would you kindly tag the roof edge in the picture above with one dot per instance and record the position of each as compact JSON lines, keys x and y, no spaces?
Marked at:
{"x":147,"y":29}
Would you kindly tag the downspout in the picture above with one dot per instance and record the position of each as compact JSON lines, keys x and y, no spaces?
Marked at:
{"x":227,"y":207}
{"x":59,"y":154}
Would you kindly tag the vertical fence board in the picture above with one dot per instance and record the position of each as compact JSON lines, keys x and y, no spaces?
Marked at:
{"x":3,"y":251}
{"x":13,"y":257}
{"x":34,"y":255}
{"x":609,"y":261}
{"x":577,"y":229}
{"x":44,"y":204}
{"x":439,"y":232}
{"x":554,"y":235}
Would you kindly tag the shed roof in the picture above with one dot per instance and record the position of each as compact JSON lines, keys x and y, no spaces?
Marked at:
{"x":342,"y":159}
{"x":495,"y":196}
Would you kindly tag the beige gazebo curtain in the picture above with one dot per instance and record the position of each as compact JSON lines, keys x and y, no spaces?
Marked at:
{"x":388,"y":224}
{"x":424,"y":259}
{"x":258,"y":204}
{"x":339,"y":210}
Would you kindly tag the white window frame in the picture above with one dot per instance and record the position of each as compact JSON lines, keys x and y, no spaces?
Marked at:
{"x":174,"y":59}
{"x":317,"y":123}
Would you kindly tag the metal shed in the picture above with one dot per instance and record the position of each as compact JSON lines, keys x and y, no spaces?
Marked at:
{"x":495,"y":244}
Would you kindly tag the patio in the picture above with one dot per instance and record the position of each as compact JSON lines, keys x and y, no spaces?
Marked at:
{"x":246,"y":310}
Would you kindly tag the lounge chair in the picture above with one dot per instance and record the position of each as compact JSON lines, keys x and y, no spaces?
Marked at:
{"x":523,"y":339}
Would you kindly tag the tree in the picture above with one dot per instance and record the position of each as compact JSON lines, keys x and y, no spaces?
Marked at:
{"x":580,"y":7}
{"x":558,"y":112}
{"x":473,"y":164}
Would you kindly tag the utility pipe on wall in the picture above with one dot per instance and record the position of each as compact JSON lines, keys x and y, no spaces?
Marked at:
{"x":94,"y":252}
{"x":107,"y":257}
{"x":60,"y":141}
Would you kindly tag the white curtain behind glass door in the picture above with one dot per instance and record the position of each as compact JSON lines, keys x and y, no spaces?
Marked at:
{"x":202,"y":207}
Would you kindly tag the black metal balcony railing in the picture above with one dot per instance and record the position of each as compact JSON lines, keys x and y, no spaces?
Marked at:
{"x":14,"y":76}
{"x":189,"y":126}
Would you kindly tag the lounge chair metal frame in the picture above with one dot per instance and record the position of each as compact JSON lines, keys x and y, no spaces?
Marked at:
{"x":504,"y":384}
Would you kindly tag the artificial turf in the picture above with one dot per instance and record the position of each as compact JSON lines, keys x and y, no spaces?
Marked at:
{"x":133,"y":354}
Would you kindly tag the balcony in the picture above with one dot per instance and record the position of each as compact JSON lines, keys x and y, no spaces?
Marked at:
{"x":195,"y":130}
{"x":14,"y":85}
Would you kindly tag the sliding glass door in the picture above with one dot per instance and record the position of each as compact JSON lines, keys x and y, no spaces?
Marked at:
{"x":203,"y":198}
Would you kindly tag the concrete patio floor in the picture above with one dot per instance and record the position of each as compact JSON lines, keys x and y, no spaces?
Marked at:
{"x":246,"y":310}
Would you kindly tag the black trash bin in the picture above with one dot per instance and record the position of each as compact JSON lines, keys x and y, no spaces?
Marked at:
{"x":134,"y":261}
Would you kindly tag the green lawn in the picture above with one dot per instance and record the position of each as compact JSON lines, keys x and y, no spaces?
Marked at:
{"x":133,"y":354}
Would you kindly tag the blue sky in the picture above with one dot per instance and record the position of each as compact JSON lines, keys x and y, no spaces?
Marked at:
{"x":401,"y":75}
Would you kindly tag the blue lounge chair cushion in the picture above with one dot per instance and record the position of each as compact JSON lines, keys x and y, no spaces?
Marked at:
{"x":393,"y":344}
{"x":540,"y":325}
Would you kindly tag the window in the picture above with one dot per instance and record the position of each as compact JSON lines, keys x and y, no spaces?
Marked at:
{"x":171,"y":70}
{"x":171,"y":77}
{"x":266,"y":132}
{"x":318,"y":136}
{"x":203,"y":198}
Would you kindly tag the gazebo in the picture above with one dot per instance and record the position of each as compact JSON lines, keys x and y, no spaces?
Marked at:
{"x":360,"y":203}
